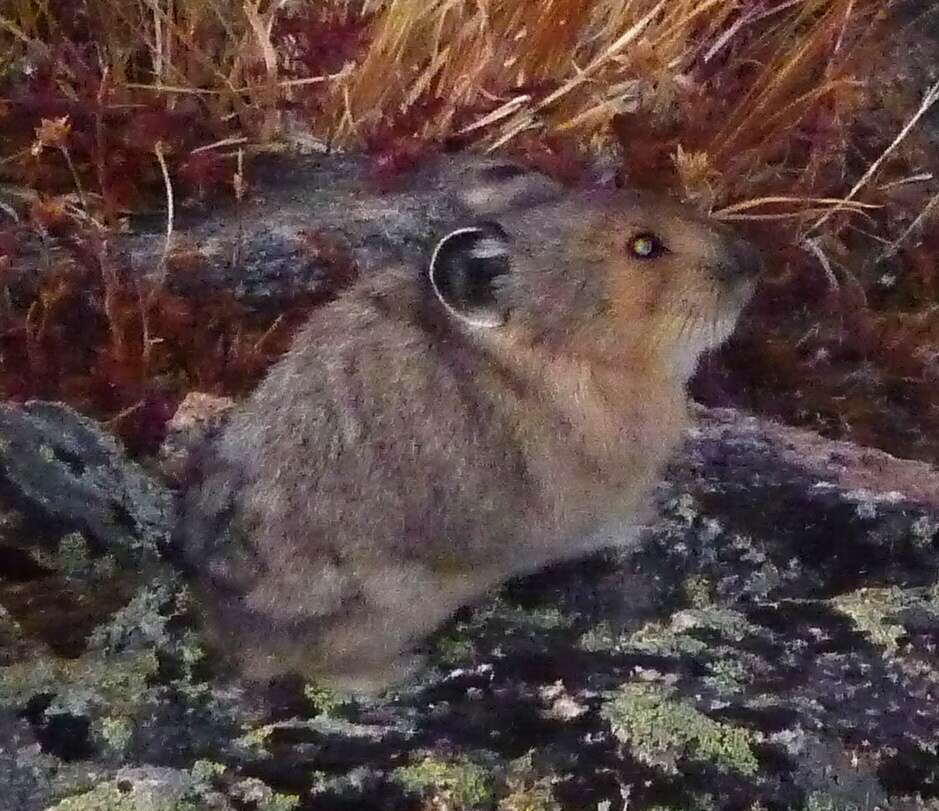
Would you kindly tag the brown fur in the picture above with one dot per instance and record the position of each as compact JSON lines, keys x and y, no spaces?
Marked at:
{"x":398,"y":462}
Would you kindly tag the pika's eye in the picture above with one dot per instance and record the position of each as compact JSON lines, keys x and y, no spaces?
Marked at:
{"x":646,"y":246}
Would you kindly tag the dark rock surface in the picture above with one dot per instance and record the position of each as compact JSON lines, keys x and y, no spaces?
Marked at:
{"x":267,"y":249}
{"x":771,"y":644}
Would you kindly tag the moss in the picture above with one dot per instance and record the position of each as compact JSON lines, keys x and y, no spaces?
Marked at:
{"x":661,"y":730}
{"x":459,"y":783}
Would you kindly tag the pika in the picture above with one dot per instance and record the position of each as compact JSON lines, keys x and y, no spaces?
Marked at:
{"x":438,"y":430}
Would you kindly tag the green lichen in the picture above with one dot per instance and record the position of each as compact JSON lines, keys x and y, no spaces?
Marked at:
{"x":452,"y":648}
{"x":547,"y":618}
{"x":191,"y":649}
{"x":699,"y":591}
{"x":698,"y":802}
{"x":535,"y":797}
{"x":458,"y":783}
{"x":872,"y":610}
{"x":255,"y":739}
{"x":601,"y":638}
{"x":527,"y":790}
{"x":727,"y":675}
{"x":205,"y":771}
{"x":116,"y":731}
{"x":662,"y":730}
{"x":661,"y":639}
{"x":819,"y":801}
{"x":142,"y":621}
{"x":536,"y":619}
{"x":924,"y":530}
{"x":675,"y":638}
{"x":74,"y":555}
{"x":113,"y":681}
{"x":327,"y":701}
{"x":262,"y":798}
{"x":110,"y":797}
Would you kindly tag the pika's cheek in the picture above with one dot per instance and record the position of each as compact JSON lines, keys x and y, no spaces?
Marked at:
{"x":636,"y":296}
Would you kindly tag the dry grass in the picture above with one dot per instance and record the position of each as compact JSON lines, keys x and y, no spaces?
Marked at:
{"x":728,"y":76}
{"x":801,"y":120}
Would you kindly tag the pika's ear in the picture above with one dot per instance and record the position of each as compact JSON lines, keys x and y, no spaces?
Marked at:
{"x":500,"y":187}
{"x":463,"y":271}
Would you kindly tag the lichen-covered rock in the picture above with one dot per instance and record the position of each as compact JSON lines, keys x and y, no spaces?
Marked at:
{"x":771,"y":644}
{"x":60,"y":470}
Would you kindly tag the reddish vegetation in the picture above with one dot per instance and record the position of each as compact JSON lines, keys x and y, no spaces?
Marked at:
{"x":844,"y":336}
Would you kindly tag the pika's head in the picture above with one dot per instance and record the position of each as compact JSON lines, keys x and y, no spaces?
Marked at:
{"x":608,"y":275}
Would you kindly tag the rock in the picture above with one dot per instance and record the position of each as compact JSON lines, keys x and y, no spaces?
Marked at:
{"x":64,"y":473}
{"x":278,"y":246}
{"x":772,"y":643}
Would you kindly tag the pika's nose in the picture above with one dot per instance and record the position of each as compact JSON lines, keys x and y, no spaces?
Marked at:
{"x":740,"y":259}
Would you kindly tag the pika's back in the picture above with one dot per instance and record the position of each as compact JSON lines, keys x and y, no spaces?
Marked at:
{"x":439,"y":429}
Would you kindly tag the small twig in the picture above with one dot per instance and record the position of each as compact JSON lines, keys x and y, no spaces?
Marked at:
{"x":259,"y":344}
{"x":124,"y":414}
{"x":233,"y":141}
{"x":931,"y":97}
{"x":922,"y":177}
{"x":75,"y":178}
{"x":760,"y":201}
{"x":788,"y":215}
{"x":168,"y":186}
{"x":813,"y":247}
{"x":146,"y":300}
{"x":166,"y":88}
{"x":742,"y":21}
{"x":844,"y":28}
